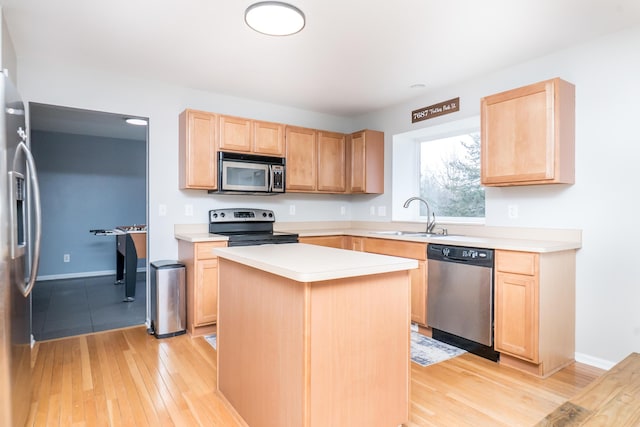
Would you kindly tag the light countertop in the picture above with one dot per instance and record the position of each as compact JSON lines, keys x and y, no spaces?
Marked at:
{"x":194,"y":237}
{"x":312,"y":263}
{"x":195,"y":234}
{"x":526,"y":245}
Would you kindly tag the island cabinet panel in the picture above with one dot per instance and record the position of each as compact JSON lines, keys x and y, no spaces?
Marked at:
{"x":197,"y":150}
{"x":528,"y":135}
{"x":324,"y":353}
{"x":331,"y":162}
{"x":366,"y":162}
{"x":535,"y":310}
{"x":342,"y":353}
{"x":301,"y":158}
{"x":329,"y":241}
{"x":202,"y":285}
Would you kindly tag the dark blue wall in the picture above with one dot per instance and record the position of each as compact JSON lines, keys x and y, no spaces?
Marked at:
{"x":86,"y":182}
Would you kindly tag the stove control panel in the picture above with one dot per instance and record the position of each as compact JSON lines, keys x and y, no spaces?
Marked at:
{"x":241,"y":215}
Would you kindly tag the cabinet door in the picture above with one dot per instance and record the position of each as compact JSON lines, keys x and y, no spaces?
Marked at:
{"x":268,"y":138}
{"x":301,"y":149}
{"x":516,"y":315}
{"x":366,"y":162}
{"x":528,"y":135}
{"x":357,"y":163}
{"x":356,"y":243}
{"x":235,"y":134}
{"x":197,"y":145}
{"x":206,"y":292}
{"x":419,"y":294}
{"x":331,"y":162}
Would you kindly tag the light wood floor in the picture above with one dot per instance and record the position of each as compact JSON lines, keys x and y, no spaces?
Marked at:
{"x":128,"y":378}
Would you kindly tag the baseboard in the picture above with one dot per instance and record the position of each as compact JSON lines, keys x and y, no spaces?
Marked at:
{"x":594,"y":361}
{"x":83,"y":274}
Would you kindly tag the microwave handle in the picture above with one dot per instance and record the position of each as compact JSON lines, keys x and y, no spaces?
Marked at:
{"x":271,"y":178}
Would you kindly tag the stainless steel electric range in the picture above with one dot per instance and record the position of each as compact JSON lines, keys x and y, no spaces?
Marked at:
{"x":247,"y":227}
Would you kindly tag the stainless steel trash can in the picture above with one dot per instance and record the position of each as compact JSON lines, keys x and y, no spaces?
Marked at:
{"x":168,"y":309}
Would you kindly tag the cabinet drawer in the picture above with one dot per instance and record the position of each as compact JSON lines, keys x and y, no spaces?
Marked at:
{"x":517,"y":262}
{"x":330,"y":241}
{"x":205,"y":250}
{"x":396,"y":248}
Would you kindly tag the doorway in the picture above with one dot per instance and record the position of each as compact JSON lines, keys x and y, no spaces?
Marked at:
{"x":92,"y":168}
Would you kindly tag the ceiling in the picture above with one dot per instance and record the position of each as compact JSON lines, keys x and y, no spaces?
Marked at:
{"x":353,"y":56}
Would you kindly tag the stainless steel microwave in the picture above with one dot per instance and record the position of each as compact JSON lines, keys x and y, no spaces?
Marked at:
{"x":250,"y":174}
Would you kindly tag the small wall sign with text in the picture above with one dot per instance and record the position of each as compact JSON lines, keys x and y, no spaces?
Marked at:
{"x":435,"y":110}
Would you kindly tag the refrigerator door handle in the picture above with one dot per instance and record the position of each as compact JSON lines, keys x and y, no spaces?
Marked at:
{"x":34,"y":194}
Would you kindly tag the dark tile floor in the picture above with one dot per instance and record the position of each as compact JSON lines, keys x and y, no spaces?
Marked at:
{"x":63,"y":308}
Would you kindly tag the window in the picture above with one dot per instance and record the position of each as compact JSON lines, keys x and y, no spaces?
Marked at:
{"x":441,"y":164}
{"x":450,"y":176}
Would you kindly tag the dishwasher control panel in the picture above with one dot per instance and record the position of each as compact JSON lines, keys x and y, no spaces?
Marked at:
{"x":478,"y":256}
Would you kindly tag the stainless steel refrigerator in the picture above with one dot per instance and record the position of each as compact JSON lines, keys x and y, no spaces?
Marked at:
{"x":20,"y":232}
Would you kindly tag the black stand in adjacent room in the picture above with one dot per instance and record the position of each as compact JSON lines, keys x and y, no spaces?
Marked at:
{"x":126,"y":265}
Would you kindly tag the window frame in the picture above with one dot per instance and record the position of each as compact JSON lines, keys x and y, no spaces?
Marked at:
{"x":405,"y":181}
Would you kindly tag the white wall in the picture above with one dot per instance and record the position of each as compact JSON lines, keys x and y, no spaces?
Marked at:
{"x":61,"y":84}
{"x":601,"y":202}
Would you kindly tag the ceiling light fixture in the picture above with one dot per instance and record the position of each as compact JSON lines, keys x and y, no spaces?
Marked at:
{"x":136,"y":122}
{"x":274,"y":18}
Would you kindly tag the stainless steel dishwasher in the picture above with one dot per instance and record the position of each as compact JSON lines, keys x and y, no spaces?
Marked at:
{"x":460,"y":297}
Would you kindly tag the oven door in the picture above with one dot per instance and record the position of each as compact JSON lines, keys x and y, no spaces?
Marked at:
{"x":244,"y":176}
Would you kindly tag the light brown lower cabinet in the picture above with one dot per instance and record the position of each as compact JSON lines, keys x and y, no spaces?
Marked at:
{"x":329,"y":241}
{"x":535,"y":310}
{"x":202,"y":285}
{"x":414,"y":250}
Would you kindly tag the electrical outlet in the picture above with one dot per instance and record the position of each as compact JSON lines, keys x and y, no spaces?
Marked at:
{"x":512,"y":211}
{"x":66,"y":258}
{"x":162,"y":210}
{"x":382,"y":211}
{"x":343,"y":210}
{"x":292,"y":209}
{"x":188,"y":210}
{"x":372,"y":211}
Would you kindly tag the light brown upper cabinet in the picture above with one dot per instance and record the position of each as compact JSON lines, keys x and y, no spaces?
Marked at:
{"x":251,"y":136}
{"x":332,"y":151}
{"x":197,"y":150}
{"x":301,"y":155}
{"x":366,"y":162}
{"x":528,"y":135}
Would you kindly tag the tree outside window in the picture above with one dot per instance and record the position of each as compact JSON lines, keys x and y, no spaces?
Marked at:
{"x":450,"y":176}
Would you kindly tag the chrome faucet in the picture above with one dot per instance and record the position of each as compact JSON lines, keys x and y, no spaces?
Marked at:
{"x":431,"y":216}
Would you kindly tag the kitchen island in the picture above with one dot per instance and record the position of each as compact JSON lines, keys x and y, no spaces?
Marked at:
{"x":313,"y":336}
